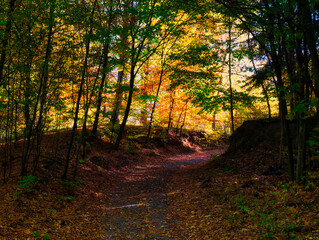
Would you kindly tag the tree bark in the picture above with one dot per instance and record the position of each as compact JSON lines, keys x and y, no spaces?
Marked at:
{"x":128,"y":107}
{"x":83,"y":139}
{"x":154,"y":105}
{"x":230,"y":84}
{"x":104,"y":73}
{"x":5,"y":41}
{"x":267,"y":99}
{"x":263,"y":88}
{"x":117,"y":103}
{"x":170,"y":118}
{"x":276,"y":56}
{"x":44,"y":83}
{"x":311,"y":40}
{"x":184,"y":119}
{"x":77,"y":108}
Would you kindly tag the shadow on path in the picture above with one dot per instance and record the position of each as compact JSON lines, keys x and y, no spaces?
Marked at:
{"x":138,"y":206}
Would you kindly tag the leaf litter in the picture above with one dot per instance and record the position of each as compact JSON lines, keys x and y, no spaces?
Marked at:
{"x":162,"y":193}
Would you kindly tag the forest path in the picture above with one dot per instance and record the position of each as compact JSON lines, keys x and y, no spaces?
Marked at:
{"x":138,"y":206}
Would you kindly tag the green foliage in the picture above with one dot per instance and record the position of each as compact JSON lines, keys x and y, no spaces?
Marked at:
{"x":67,"y":183}
{"x":81,"y":161}
{"x":227,"y":168}
{"x":52,"y":210}
{"x":26,"y":185}
{"x":79,"y":182}
{"x":36,"y":234}
{"x":271,"y":214}
{"x":311,"y":180}
{"x":144,"y":97}
{"x":69,"y":187}
{"x":200,"y":55}
{"x":303,"y":107}
{"x":133,"y":147}
{"x":314,"y":141}
{"x":28,"y":182}
{"x":46,"y":237}
{"x":65,"y":199}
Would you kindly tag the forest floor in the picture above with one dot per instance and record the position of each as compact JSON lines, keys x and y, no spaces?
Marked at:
{"x":171,"y":189}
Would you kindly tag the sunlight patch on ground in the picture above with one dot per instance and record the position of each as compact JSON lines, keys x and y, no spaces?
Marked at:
{"x":127,"y":206}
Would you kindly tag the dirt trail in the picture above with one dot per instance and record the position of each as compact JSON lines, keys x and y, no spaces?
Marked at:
{"x":138,"y":206}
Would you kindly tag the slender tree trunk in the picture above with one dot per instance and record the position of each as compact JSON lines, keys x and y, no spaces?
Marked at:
{"x":230,"y":85}
{"x":154,"y":105}
{"x":284,"y":122}
{"x":104,"y":74}
{"x":291,"y":71}
{"x":6,"y":37}
{"x":267,"y":99}
{"x":27,"y":76}
{"x":128,"y":107}
{"x":136,"y":50}
{"x":15,"y":136}
{"x":301,"y":157}
{"x":181,"y":114}
{"x":283,"y":113}
{"x":8,"y":128}
{"x":264,"y":90}
{"x":308,"y":79}
{"x":303,"y":99}
{"x":119,"y":92}
{"x":276,"y":56}
{"x":184,"y":119}
{"x":311,"y":41}
{"x":42,"y":92}
{"x":83,"y":139}
{"x":77,"y":108}
{"x":99,"y":101}
{"x":117,"y":102}
{"x":44,"y":81}
{"x":170,"y":117}
{"x":214,"y":121}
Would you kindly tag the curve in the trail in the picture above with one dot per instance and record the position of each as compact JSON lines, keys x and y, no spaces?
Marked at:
{"x":138,"y":206}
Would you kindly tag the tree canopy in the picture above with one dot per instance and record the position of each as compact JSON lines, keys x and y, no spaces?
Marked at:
{"x":108,"y":63}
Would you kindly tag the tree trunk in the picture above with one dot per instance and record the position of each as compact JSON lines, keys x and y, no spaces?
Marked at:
{"x":77,"y":108}
{"x":117,"y":102}
{"x":230,"y":85}
{"x":311,"y":41}
{"x":170,"y":118}
{"x":128,"y":107}
{"x":44,"y":83}
{"x":267,"y":99}
{"x":276,"y":56}
{"x":302,"y":99}
{"x":27,"y":85}
{"x":263,"y":88}
{"x":6,"y":37}
{"x":154,"y":105}
{"x":181,"y":129}
{"x":41,"y":98}
{"x":83,"y":139}
{"x":135,"y":51}
{"x":301,"y":158}
{"x":180,"y":115}
{"x":101,"y":88}
{"x":284,"y":122}
{"x":104,"y":73}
